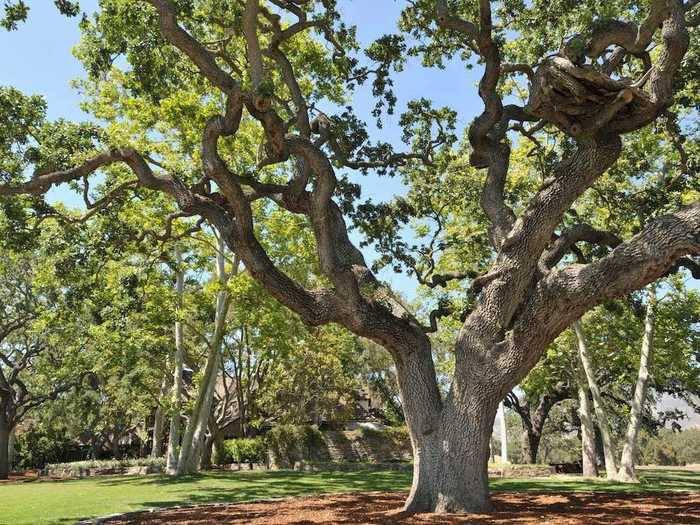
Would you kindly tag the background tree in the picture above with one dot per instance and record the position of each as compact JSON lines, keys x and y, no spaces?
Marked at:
{"x":37,"y":364}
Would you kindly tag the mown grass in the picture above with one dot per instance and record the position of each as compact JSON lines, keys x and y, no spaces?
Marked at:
{"x":64,"y":502}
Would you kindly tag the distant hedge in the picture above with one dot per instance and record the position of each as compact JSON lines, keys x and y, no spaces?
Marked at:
{"x":245,"y":450}
{"x":395,"y":434}
{"x":288,"y":444}
{"x":671,"y":448}
{"x":285,"y":445}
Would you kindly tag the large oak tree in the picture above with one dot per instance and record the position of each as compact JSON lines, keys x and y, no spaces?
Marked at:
{"x":263,"y":68}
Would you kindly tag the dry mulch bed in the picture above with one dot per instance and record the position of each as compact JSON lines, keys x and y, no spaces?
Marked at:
{"x":510,"y":508}
{"x":21,"y":477}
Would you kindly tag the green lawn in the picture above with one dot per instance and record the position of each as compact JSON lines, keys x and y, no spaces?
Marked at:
{"x":64,"y":502}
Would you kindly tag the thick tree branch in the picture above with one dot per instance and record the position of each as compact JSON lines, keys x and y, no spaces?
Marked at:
{"x":454,"y":23}
{"x":639,"y":261}
{"x":577,"y":233}
{"x":572,"y":290}
{"x":634,"y":39}
{"x":181,"y":39}
{"x":250,"y":31}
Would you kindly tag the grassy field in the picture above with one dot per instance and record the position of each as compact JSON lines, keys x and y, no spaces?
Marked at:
{"x":64,"y":502}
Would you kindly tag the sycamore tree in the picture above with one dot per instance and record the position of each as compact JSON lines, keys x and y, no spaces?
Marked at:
{"x":218,"y":108}
{"x":639,"y":354}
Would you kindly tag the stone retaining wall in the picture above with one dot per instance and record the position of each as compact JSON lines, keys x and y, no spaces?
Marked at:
{"x":72,"y":473}
{"x":303,"y":466}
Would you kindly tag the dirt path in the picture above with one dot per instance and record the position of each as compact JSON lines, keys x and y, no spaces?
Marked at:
{"x":510,"y":509}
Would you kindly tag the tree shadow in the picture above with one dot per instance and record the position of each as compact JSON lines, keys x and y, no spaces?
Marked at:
{"x":509,"y":508}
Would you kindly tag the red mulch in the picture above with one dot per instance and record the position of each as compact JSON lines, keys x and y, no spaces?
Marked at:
{"x":21,"y":477}
{"x":384,"y":509}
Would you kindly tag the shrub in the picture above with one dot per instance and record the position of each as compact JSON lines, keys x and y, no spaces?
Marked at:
{"x":244,"y":450}
{"x":671,"y":448}
{"x":393,"y":434}
{"x":36,"y":448}
{"x":288,"y":444}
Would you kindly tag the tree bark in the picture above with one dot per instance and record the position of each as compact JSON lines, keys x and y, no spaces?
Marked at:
{"x":116,"y":450}
{"x":4,"y":448}
{"x":601,"y":415}
{"x":451,"y":465}
{"x":627,"y":473}
{"x":450,"y":451}
{"x":519,"y":309}
{"x":529,"y":445}
{"x":504,"y":432}
{"x":532,"y":443}
{"x":194,"y":432}
{"x":533,"y":424}
{"x":176,"y":415}
{"x":217,"y":445}
{"x":11,"y":452}
{"x":588,"y":442}
{"x":159,"y":422}
{"x":207,"y":450}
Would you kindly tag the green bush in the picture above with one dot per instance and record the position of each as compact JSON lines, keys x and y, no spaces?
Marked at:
{"x":35,"y":449}
{"x":251,"y":450}
{"x":671,"y":448}
{"x":288,"y":444}
{"x":393,"y":434}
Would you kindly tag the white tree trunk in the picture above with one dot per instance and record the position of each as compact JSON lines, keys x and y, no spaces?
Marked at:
{"x":504,"y":436}
{"x":193,"y":439}
{"x":588,"y":448}
{"x":627,"y":473}
{"x":601,"y":415}
{"x":176,"y":415}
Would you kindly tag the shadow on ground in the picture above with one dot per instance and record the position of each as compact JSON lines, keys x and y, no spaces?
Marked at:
{"x":509,"y":508}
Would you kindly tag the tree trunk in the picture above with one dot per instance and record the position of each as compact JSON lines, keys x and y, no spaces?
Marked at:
{"x":533,"y":423}
{"x":11,"y":452}
{"x":157,"y":437}
{"x":191,"y":451}
{"x":116,"y":451}
{"x":175,"y":418}
{"x":159,"y":422}
{"x":627,"y":473}
{"x":504,"y":432}
{"x":94,"y":454}
{"x":451,"y":465}
{"x":450,"y":450}
{"x":588,"y":447}
{"x":207,"y":451}
{"x":217,"y":446}
{"x":528,"y":446}
{"x":194,"y":432}
{"x":534,"y":444}
{"x":4,"y":448}
{"x":601,"y":415}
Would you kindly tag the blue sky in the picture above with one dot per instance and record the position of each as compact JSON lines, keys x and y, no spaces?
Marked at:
{"x":38,"y":60}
